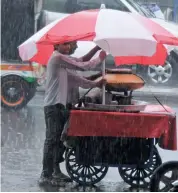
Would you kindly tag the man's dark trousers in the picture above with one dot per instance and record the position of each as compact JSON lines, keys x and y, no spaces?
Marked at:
{"x":55,"y":119}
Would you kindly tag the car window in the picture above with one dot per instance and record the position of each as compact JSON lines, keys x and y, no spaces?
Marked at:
{"x":116,"y":4}
{"x":148,"y":13}
{"x":140,"y":9}
{"x":136,"y":7}
{"x":72,"y":6}
{"x":95,"y":4}
{"x":54,"y":5}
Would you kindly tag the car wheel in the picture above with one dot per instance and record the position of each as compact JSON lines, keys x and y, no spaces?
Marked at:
{"x":163,"y":75}
{"x":14,"y":91}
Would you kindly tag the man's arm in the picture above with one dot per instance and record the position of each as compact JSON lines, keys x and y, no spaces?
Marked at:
{"x":68,"y":62}
{"x":80,"y":81}
{"x":88,"y":57}
{"x":94,"y":76}
{"x":90,"y":54}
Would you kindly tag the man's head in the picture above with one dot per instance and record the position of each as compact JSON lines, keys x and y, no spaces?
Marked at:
{"x":73,"y":47}
{"x":66,"y":48}
{"x":63,"y":48}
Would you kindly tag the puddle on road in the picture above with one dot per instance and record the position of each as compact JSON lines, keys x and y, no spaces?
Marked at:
{"x":104,"y":186}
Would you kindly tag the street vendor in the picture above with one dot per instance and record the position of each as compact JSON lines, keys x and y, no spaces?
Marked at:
{"x":73,"y":90}
{"x":59,"y":69}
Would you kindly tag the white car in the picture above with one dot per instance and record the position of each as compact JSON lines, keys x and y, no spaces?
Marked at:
{"x":154,"y":74}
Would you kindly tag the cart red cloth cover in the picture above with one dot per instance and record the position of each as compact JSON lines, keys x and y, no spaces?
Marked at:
{"x":153,"y":122}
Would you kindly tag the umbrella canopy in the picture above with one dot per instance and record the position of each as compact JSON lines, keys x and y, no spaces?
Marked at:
{"x":129,"y":37}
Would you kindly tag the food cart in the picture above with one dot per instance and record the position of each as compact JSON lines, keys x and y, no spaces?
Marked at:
{"x":122,"y":134}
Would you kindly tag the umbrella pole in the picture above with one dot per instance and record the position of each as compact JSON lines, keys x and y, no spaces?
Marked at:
{"x":103,"y":88}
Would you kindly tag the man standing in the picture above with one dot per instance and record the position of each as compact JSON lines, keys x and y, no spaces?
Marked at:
{"x":56,"y":96}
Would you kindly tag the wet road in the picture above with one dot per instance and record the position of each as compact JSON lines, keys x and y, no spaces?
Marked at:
{"x":21,"y":154}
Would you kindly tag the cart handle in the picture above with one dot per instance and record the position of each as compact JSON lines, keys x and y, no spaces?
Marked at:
{"x":81,"y":99}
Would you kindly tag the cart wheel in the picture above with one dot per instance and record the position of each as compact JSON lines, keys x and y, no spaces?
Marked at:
{"x":83,"y":174}
{"x":164,"y":176}
{"x":139,"y":177}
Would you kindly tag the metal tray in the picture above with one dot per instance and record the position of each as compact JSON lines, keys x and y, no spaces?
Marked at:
{"x":136,"y":106}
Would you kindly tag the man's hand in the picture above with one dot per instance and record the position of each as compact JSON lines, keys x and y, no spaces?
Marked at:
{"x":91,"y":53}
{"x":94,"y":76}
{"x":97,"y":48}
{"x":102,"y":55}
{"x":107,"y":70}
{"x":100,"y":82}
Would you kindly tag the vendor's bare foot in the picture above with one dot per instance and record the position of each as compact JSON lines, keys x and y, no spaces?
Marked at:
{"x":59,"y":176}
{"x":44,"y":180}
{"x":57,"y":182}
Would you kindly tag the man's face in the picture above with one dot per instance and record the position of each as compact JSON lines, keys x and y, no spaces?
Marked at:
{"x":73,"y":47}
{"x":67,"y":48}
{"x":64,"y":48}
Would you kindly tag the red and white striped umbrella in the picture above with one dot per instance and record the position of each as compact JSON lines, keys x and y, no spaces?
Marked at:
{"x":130,"y":38}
